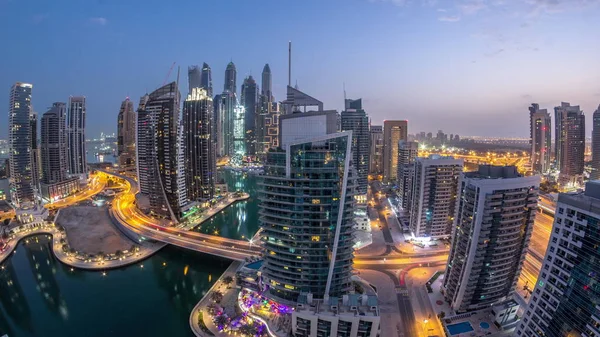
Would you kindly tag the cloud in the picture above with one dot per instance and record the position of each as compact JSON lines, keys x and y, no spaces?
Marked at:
{"x":39,"y":18}
{"x":441,"y":10}
{"x":526,"y":96}
{"x":472,"y":6}
{"x":98,"y":21}
{"x":449,"y":18}
{"x":495,"y":53}
{"x":538,"y":7}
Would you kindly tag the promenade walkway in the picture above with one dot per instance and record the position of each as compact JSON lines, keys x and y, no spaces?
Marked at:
{"x":212,"y":211}
{"x":19,"y":233}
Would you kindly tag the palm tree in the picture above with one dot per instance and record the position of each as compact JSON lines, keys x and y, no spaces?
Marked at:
{"x":221,"y":321}
{"x":227,"y":280}
{"x":216,"y":296}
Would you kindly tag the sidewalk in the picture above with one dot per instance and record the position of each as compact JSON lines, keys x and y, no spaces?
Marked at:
{"x":19,"y":233}
{"x":210,"y":212}
{"x":420,"y":300}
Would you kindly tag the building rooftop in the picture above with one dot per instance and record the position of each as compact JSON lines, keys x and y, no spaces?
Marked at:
{"x":494,"y":172}
{"x":351,"y":304}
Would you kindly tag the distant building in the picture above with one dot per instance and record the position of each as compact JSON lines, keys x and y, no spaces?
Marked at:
{"x":354,"y":316}
{"x":566,"y":295}
{"x":126,"y":134}
{"x":194,"y":78}
{"x":19,"y":138}
{"x":230,"y":78}
{"x":76,"y":136}
{"x":570,"y":140}
{"x":307,"y":208}
{"x":250,"y":103}
{"x":355,"y":119}
{"x":540,"y":138}
{"x":267,"y":127}
{"x":434,"y":196}
{"x":199,"y":148}
{"x":224,"y":112}
{"x":491,"y":232}
{"x":595,"y":174}
{"x":158,"y":159}
{"x":407,"y":153}
{"x":206,"y":80}
{"x":393,"y":132}
{"x":298,"y":101}
{"x":376,"y":149}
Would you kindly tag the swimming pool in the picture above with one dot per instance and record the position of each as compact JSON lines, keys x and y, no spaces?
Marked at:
{"x":458,"y":328}
{"x":255,"y":265}
{"x":484,"y":325}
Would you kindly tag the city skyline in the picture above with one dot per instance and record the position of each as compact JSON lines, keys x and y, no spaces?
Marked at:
{"x":494,"y":73}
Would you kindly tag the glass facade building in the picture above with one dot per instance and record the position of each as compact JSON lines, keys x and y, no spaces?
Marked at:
{"x":355,"y":119}
{"x":76,"y":136}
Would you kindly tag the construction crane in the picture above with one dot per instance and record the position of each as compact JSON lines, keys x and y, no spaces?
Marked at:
{"x":169,"y":74}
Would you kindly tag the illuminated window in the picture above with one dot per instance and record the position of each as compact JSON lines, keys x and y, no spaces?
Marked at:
{"x":316,"y":201}
{"x":316,"y":238}
{"x":287,"y":286}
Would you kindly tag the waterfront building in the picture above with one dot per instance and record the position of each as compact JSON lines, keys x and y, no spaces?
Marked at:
{"x":540,"y":138}
{"x":36,"y":169}
{"x":434,"y":195}
{"x":199,"y":148}
{"x":376,"y":150}
{"x":126,"y":134}
{"x":250,"y":102}
{"x":306,"y":209}
{"x":230,"y":78}
{"x":595,"y":174}
{"x":224,"y":115}
{"x":393,"y":132}
{"x":565,"y":299}
{"x":353,"y":316}
{"x":355,"y":119}
{"x":158,"y":159}
{"x":76,"y":137}
{"x":407,"y":152}
{"x":19,"y":138}
{"x":491,"y":232}
{"x":570,"y":142}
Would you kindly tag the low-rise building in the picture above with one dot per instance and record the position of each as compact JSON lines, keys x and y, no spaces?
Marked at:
{"x":59,"y":190}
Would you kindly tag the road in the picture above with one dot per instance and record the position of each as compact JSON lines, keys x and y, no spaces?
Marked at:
{"x":97,"y":184}
{"x":542,"y":228}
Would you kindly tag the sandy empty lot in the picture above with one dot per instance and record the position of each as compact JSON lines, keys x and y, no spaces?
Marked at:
{"x":89,"y":229}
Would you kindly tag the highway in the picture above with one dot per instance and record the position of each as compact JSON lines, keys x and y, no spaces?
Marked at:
{"x":97,"y":184}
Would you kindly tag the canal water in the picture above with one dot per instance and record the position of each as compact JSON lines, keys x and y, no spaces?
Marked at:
{"x":39,"y":296}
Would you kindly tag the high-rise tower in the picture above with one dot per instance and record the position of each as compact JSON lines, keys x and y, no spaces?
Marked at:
{"x":355,"y":119}
{"x":76,"y":136}
{"x":540,"y":138}
{"x":393,"y":132}
{"x":266,"y":85}
{"x":376,"y":149}
{"x":158,"y":151}
{"x":491,"y":232}
{"x":194,"y":78}
{"x":126,"y":134}
{"x":249,"y":101}
{"x":206,"y":80}
{"x":230,"y":78}
{"x":36,"y":170}
{"x":570,"y":140}
{"x":19,"y":141}
{"x":595,"y":174}
{"x":199,"y":148}
{"x":407,"y":153}
{"x":54,"y":144}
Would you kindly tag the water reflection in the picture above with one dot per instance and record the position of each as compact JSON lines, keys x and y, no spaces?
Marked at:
{"x":15,"y":307}
{"x":240,"y":220}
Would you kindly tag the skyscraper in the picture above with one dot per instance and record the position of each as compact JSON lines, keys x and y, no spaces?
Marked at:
{"x":36,"y":170}
{"x":268,"y":112}
{"x":76,"y":136}
{"x":566,"y":295}
{"x":230,"y":78}
{"x":19,"y":141}
{"x":540,"y":138}
{"x":570,"y":140}
{"x":206,"y":80}
{"x":158,"y":151}
{"x":355,"y":119}
{"x":249,"y":101}
{"x":306,"y":212}
{"x":407,"y":153}
{"x":267,"y":86}
{"x":224,"y":106}
{"x":595,"y":174}
{"x":194,"y":78}
{"x":434,"y":195}
{"x":393,"y":132}
{"x":491,"y":232}
{"x":126,"y":134}
{"x":199,"y":148}
{"x":376,"y":149}
{"x":55,"y":184}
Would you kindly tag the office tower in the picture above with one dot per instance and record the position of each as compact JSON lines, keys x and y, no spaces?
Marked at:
{"x":540,"y":138}
{"x":492,"y":228}
{"x":355,"y":119}
{"x":595,"y":174}
{"x":218,"y":125}
{"x":566,"y":295}
{"x":570,"y":140}
{"x":206,"y":80}
{"x":266,"y":85}
{"x":376,"y":149}
{"x":249,"y":101}
{"x":19,"y":140}
{"x":224,"y":106}
{"x":393,"y":132}
{"x":126,"y":134}
{"x":76,"y":136}
{"x":267,"y":128}
{"x":239,"y":134}
{"x":194,"y":78}
{"x":199,"y":148}
{"x":407,"y":152}
{"x":433,"y":197}
{"x":158,"y":151}
{"x":306,"y":210}
{"x":230,"y":78}
{"x":309,"y":124}
{"x":298,"y":101}
{"x":36,"y":170}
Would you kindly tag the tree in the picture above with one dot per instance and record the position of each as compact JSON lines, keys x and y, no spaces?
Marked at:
{"x":442,"y":314}
{"x":249,"y":330}
{"x":227,"y":280}
{"x":216,"y":296}
{"x":6,"y":222}
{"x":72,"y":250}
{"x":221,"y":321}
{"x":119,"y":253}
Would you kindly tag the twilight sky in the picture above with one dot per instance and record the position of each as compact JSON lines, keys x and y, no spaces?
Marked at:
{"x":467,"y":66}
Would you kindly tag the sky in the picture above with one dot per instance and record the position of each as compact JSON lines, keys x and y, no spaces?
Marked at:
{"x":469,"y":67}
